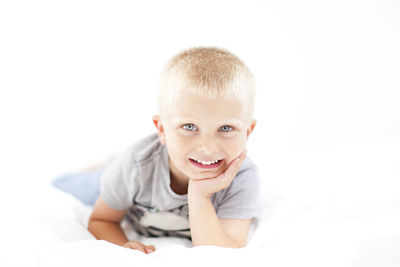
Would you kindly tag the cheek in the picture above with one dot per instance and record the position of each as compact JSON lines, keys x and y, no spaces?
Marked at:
{"x":234,"y":147}
{"x":177,"y":145}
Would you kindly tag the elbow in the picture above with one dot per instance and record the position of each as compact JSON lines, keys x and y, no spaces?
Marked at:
{"x":90,"y":225}
{"x":234,"y":245}
{"x":237,"y":242}
{"x":238,"y":245}
{"x":230,"y":244}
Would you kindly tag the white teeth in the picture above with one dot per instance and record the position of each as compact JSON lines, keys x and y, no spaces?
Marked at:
{"x":207,"y":162}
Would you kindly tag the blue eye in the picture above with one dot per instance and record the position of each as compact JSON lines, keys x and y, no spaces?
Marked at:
{"x":189,"y":127}
{"x":226,"y":128}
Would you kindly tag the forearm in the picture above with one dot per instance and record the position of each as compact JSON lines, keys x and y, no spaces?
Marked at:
{"x":110,"y":231}
{"x":205,"y":227}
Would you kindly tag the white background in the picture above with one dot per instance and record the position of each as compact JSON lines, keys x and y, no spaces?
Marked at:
{"x":78,"y":79}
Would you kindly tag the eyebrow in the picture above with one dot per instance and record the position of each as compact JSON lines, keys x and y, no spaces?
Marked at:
{"x":225,"y":122}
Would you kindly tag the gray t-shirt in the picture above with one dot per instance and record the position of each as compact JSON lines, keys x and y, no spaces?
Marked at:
{"x":138,"y":180}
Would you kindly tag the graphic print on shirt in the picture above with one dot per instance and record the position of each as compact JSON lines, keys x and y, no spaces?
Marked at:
{"x":152,"y":222}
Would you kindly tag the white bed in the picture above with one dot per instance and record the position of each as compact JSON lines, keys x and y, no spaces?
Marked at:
{"x":75,"y":82}
{"x":324,"y":206}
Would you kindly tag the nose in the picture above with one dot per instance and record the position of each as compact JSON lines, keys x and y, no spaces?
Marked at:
{"x":207,"y":144}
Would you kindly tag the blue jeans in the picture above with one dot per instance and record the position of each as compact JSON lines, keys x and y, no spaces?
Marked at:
{"x":83,"y":186}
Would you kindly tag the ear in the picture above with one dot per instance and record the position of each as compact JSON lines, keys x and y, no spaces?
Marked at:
{"x":160,"y":129}
{"x":251,"y":128}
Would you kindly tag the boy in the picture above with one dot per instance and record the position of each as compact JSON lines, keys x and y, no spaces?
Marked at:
{"x":191,"y":179}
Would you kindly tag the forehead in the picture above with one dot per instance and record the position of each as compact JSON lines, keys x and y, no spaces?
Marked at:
{"x":195,"y":107}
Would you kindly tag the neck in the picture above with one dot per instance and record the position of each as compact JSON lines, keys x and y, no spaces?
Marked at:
{"x":179,"y":183}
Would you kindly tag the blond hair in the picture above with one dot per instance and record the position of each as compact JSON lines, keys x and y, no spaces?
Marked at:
{"x":207,"y":71}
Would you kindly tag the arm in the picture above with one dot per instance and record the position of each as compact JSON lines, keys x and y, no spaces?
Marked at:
{"x":206,"y":228}
{"x":104,"y":223}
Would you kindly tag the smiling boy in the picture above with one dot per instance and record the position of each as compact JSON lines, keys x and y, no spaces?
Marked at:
{"x":192,"y":179}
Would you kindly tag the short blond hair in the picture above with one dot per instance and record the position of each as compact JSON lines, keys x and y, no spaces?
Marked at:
{"x":210,"y":72}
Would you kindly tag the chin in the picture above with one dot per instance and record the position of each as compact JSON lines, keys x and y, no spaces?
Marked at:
{"x":200,"y":176}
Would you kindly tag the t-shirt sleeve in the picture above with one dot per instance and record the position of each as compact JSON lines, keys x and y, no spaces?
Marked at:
{"x":118,"y":182}
{"x":241,"y":199}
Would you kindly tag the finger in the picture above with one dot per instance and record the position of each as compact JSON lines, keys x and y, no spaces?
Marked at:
{"x":137,"y":246}
{"x":238,"y":161}
{"x":150,"y":249}
{"x":243,"y":154}
{"x":240,"y":157}
{"x":235,"y":165}
{"x":226,"y":178}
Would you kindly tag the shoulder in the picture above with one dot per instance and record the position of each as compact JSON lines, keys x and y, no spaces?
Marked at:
{"x":240,"y":199}
{"x":246,"y":181}
{"x":128,"y":161}
{"x":248,"y":174}
{"x":144,"y":150}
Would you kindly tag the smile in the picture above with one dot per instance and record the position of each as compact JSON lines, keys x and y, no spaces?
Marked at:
{"x":206,"y":164}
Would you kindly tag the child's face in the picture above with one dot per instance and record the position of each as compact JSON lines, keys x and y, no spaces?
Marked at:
{"x":202,"y":129}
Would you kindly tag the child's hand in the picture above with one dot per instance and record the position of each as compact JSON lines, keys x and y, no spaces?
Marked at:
{"x":139,"y":246}
{"x":208,"y":186}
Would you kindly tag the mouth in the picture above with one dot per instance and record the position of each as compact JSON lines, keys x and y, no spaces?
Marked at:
{"x":206,"y":164}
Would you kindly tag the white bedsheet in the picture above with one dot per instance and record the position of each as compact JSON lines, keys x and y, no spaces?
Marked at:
{"x":358,"y":225}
